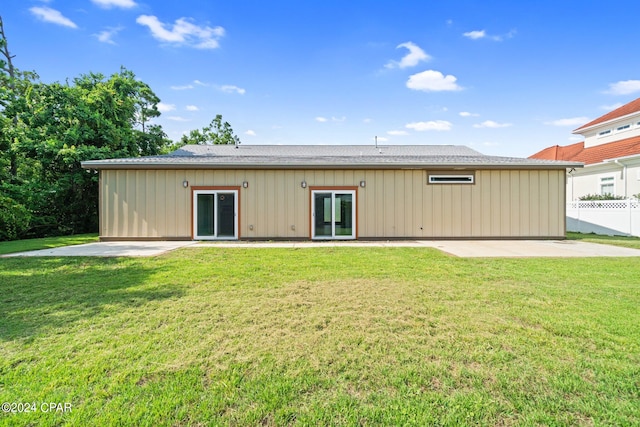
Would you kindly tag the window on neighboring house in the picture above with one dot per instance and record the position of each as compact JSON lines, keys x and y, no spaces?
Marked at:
{"x":604,"y":132}
{"x":606,"y":185}
{"x":621,"y":128}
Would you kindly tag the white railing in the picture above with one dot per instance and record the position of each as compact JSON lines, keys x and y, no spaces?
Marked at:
{"x":611,"y":217}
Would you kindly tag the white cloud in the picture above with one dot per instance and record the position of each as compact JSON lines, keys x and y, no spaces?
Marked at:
{"x":178,"y":119}
{"x":107,"y":35}
{"x":611,"y":107}
{"x":625,"y":87}
{"x":53,"y":16}
{"x":184,"y":87}
{"x":397,"y":132}
{"x":438,"y":125}
{"x":468,"y":114}
{"x":232,"y":89}
{"x":574,"y":121}
{"x":108,"y":4}
{"x":250,"y":133}
{"x":183,"y":32}
{"x":432,"y":81}
{"x":199,"y":83}
{"x":475,"y":35}
{"x":367,"y":120}
{"x":411,"y":59}
{"x":192,"y":108}
{"x":491,"y":124}
{"x":381,"y":139}
{"x":164,"y":108}
{"x":322,"y":119}
{"x":482,"y":34}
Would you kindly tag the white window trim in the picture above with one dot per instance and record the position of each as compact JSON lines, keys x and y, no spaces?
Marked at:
{"x":612,"y":181}
{"x":451,"y":179}
{"x":215,"y":212}
{"x":333,"y":193}
{"x":626,"y":126}
{"x":605,"y":133}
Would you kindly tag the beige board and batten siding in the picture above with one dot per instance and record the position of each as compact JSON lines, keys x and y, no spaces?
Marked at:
{"x":393,"y":204}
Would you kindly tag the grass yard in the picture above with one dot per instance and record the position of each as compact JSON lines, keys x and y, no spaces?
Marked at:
{"x":322,"y":336}
{"x":627,"y":242}
{"x":45,"y":243}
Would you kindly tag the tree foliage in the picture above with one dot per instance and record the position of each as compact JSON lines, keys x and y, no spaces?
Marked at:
{"x":14,"y":218}
{"x":56,"y":126}
{"x":47,"y":129}
{"x":217,"y":132}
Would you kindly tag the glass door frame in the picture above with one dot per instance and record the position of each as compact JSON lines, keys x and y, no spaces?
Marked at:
{"x":353,"y":191}
{"x":195,"y":191}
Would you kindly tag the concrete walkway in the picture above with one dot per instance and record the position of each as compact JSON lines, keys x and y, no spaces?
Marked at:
{"x":463,"y":248}
{"x":109,"y":249}
{"x":531,"y":248}
{"x":459,"y":248}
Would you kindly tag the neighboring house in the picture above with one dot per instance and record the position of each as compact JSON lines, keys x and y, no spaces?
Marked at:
{"x":610,"y":152}
{"x":330,"y":192}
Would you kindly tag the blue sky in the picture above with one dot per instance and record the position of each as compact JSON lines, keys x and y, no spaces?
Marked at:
{"x":503,"y":77}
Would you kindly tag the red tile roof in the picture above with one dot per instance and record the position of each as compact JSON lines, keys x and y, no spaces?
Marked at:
{"x":591,"y":155}
{"x":630,"y":108}
{"x":557,"y":152}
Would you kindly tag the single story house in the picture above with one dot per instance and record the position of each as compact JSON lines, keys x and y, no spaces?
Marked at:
{"x":209,"y":192}
{"x":610,"y":152}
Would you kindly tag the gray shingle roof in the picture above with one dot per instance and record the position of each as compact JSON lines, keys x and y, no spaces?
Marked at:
{"x":324,"y":150}
{"x":324,"y":156}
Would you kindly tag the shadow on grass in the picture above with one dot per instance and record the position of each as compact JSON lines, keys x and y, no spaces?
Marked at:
{"x":51,"y":293}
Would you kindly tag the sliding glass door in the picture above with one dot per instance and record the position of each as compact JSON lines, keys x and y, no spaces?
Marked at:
{"x":333,"y":214}
{"x":215,"y":214}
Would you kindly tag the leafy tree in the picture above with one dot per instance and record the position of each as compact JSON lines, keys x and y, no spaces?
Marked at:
{"x":217,"y":132}
{"x":14,"y":216}
{"x":48,"y":129}
{"x":92,"y":118}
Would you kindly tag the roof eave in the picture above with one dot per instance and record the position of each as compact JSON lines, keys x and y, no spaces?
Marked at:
{"x":629,"y":157}
{"x":584,"y":129}
{"x":98,"y":165}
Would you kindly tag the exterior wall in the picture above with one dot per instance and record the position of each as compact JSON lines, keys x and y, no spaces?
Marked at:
{"x":587,"y":180}
{"x":592,"y":138}
{"x":393,"y":204}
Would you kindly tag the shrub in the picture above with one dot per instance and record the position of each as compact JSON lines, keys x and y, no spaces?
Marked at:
{"x":14,"y":219}
{"x":601,"y":197}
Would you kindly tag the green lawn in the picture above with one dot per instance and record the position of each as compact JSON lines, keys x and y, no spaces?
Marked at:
{"x":46,"y":243}
{"x":627,"y":242}
{"x":322,"y":336}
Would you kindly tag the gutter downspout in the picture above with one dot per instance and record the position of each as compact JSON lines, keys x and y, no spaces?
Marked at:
{"x":571,"y":171}
{"x":623,"y":176}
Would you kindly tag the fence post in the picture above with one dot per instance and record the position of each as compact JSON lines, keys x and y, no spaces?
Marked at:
{"x":630,"y":217}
